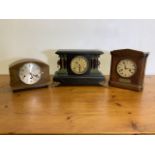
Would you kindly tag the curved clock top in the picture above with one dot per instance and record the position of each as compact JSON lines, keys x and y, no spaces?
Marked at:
{"x":81,"y":51}
{"x":28,"y":60}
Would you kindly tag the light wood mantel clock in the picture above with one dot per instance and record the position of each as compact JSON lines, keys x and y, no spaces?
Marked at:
{"x":28,"y":74}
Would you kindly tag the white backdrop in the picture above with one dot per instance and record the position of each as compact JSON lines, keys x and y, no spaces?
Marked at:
{"x":40,"y":38}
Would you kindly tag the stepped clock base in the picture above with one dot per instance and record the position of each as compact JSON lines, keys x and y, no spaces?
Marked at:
{"x":126,"y":86}
{"x":79,"y":80}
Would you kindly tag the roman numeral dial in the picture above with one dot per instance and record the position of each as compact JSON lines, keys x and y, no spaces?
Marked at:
{"x":126,"y":68}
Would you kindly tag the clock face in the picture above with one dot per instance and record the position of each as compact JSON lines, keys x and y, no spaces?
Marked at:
{"x":30,"y":73}
{"x":126,"y":68}
{"x":79,"y":65}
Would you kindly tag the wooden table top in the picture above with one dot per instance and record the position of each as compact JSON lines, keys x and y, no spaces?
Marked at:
{"x":77,"y":110}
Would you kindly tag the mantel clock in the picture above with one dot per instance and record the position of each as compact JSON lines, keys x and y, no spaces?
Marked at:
{"x":78,"y":67}
{"x":128,"y":69}
{"x":28,"y":74}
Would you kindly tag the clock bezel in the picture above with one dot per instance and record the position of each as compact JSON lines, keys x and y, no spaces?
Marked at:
{"x":71,"y":57}
{"x":130,"y":75}
{"x":87,"y":65}
{"x":22,"y":68}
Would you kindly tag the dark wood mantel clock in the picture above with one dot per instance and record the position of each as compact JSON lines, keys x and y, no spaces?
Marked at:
{"x":78,"y":67}
{"x":128,"y":69}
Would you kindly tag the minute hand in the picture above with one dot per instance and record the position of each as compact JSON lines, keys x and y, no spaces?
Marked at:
{"x":79,"y":67}
{"x":35,"y":75}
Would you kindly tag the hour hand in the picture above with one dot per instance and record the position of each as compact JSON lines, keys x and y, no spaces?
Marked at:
{"x":31,"y":76}
{"x":79,"y":68}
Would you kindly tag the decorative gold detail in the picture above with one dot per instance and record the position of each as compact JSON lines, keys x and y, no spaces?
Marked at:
{"x":125,"y":80}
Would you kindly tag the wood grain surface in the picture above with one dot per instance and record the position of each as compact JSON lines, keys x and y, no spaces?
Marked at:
{"x":77,"y":110}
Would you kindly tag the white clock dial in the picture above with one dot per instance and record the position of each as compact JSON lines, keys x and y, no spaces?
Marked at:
{"x":79,"y":65}
{"x":30,"y":73}
{"x":126,"y":68}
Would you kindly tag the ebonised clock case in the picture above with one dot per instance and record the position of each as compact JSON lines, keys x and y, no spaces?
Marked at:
{"x":66,"y":76}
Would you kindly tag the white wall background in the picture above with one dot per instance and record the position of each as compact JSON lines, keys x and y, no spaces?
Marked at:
{"x":40,"y":38}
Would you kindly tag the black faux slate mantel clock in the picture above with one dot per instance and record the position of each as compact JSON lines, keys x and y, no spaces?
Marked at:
{"x":78,"y":67}
{"x":128,"y":69}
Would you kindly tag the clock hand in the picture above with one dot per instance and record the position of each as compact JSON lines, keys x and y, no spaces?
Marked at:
{"x":130,"y":70}
{"x":35,"y":75}
{"x":31,"y":76}
{"x":79,"y":68}
{"x":125,"y":66}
